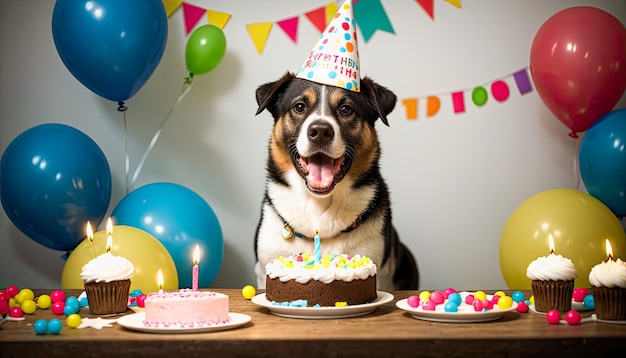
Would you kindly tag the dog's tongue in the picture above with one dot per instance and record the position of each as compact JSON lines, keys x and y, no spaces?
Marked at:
{"x":321,"y":175}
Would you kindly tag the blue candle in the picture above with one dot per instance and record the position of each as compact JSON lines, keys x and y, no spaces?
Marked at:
{"x":316,"y":241}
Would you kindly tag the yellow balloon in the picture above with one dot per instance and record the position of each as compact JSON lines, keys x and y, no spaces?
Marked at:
{"x":146,"y":253}
{"x":579,"y":224}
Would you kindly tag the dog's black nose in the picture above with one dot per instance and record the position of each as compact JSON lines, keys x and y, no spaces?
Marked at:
{"x":320,"y":132}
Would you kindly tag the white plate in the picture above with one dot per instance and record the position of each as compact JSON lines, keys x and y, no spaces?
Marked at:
{"x":577,"y":306}
{"x":135,"y":322}
{"x":465,"y":314}
{"x":323,"y":312}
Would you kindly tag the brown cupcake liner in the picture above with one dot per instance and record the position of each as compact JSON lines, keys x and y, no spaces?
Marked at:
{"x":552,"y":295}
{"x":610,"y":302}
{"x":107,"y":297}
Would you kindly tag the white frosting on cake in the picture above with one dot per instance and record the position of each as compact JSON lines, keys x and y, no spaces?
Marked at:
{"x":186,"y":309}
{"x":552,"y":268}
{"x":107,"y":268}
{"x":609,"y":274}
{"x":302,"y":268}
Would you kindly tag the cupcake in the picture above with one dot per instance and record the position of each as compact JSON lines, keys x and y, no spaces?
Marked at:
{"x":552,"y":282}
{"x":608,"y":286}
{"x":107,"y":283}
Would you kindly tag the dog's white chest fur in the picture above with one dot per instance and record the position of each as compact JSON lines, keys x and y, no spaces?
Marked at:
{"x":332,"y":215}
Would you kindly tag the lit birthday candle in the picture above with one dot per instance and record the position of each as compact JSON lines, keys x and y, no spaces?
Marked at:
{"x":89,"y":231}
{"x":194,"y":271}
{"x":160,"y":281}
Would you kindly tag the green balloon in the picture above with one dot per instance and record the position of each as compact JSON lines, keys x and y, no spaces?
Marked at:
{"x":479,"y":96}
{"x":205,"y":49}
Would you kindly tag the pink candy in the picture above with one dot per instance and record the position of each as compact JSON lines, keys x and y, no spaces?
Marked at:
{"x":413,"y":301}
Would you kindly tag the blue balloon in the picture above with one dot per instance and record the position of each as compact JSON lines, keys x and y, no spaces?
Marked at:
{"x":602,"y":159}
{"x":180,"y":219}
{"x":111,"y":46}
{"x":53,"y":179}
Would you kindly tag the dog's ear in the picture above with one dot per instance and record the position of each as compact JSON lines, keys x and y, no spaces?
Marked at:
{"x":382,"y":99}
{"x":267,"y":94}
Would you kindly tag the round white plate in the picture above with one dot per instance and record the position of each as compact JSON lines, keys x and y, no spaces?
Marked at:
{"x":323,"y":312}
{"x":135,"y":322}
{"x":465,"y":314}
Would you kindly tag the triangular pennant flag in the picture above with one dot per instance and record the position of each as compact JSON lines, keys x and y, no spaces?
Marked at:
{"x":259,"y":33}
{"x":331,"y":10}
{"x":290,"y":26}
{"x":192,"y":15}
{"x":371,"y":16}
{"x":456,"y":3}
{"x":217,"y":19}
{"x":318,"y":18}
{"x":427,"y":5}
{"x":171,"y":6}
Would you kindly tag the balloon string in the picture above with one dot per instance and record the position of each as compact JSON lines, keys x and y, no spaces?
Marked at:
{"x":121,"y":107}
{"x":186,"y":88}
{"x":576,"y":150}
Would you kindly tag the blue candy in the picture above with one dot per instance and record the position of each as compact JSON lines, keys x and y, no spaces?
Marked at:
{"x":40,"y":326}
{"x":588,"y":302}
{"x":83,"y":302}
{"x":54,"y":326}
{"x":135,"y":293}
{"x":450,"y":306}
{"x":518,"y":296}
{"x":455,"y":298}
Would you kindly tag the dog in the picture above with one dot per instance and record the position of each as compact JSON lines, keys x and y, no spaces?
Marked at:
{"x":323,"y":177}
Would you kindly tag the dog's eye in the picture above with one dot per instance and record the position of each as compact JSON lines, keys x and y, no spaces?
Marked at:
{"x":299,"y":107}
{"x":346,"y":110}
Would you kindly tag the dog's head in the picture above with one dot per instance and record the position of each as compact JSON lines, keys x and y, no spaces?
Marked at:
{"x":326,"y":133}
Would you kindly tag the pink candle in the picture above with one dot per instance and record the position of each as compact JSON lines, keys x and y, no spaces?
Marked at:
{"x":194,"y":271}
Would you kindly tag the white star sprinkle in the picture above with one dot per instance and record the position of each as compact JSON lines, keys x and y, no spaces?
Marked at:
{"x":96,"y":323}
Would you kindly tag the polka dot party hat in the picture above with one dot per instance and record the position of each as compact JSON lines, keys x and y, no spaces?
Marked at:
{"x":334,"y":60}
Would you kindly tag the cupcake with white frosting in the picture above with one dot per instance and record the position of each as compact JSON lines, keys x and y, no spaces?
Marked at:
{"x":608,"y":286}
{"x":107,"y":283}
{"x":552,"y":282}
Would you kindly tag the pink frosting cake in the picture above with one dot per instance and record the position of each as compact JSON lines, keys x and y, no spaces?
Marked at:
{"x":186,"y":309}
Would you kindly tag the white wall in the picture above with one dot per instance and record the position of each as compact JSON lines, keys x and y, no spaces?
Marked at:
{"x":454,"y":179}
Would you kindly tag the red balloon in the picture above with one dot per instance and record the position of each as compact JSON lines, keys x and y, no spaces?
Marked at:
{"x":578,"y":65}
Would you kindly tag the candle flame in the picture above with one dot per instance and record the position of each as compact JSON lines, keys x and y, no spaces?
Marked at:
{"x":160,"y":279}
{"x":109,"y":243}
{"x":89,"y":232}
{"x":551,"y":243}
{"x":609,"y":249}
{"x":109,"y":227}
{"x":196,"y":255}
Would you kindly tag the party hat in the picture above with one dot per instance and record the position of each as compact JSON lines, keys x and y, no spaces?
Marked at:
{"x":334,"y":60}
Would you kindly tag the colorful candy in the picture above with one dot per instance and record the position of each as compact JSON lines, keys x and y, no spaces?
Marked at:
{"x":589,"y":303}
{"x":73,"y":320}
{"x":58,"y":308}
{"x":424,"y":296}
{"x":25,"y":294}
{"x":451,"y":307}
{"x":44,"y":302}
{"x":57,"y":296}
{"x":518,"y":296}
{"x":578,"y":294}
{"x":573,"y":317}
{"x":505,"y":302}
{"x":141,"y":300}
{"x":16,"y":312}
{"x":55,"y":326}
{"x":28,"y":307}
{"x":522,"y":307}
{"x":248,"y":292}
{"x":4,"y":308}
{"x":40,"y":326}
{"x":12,"y":290}
{"x":553,"y":317}
{"x":413,"y":301}
{"x":437,"y":297}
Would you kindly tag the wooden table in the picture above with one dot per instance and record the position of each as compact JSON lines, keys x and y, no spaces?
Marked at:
{"x":386,"y":332}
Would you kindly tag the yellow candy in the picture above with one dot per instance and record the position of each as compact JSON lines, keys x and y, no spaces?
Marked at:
{"x":29,"y":307}
{"x":73,"y":320}
{"x":532,"y":300}
{"x":44,"y":302}
{"x":24,"y":295}
{"x":480,"y":295}
{"x":248,"y":292}
{"x":341,"y":304}
{"x":424,"y":296}
{"x":505,"y":302}
{"x":500,"y":293}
